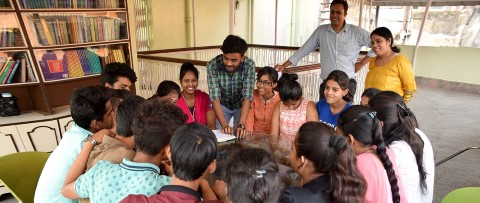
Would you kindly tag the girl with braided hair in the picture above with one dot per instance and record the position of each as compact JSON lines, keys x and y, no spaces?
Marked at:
{"x":363,"y":130}
{"x":326,"y":163}
{"x":411,"y":147}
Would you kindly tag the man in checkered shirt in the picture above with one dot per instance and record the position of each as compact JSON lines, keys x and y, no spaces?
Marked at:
{"x":231,"y":78}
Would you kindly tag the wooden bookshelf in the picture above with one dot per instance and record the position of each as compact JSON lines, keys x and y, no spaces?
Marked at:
{"x":66,"y":43}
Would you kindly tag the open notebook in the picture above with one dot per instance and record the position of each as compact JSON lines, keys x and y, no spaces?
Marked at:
{"x":222,"y":137}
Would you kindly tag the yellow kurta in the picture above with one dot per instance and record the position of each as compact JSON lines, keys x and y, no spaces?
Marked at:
{"x":396,"y":75}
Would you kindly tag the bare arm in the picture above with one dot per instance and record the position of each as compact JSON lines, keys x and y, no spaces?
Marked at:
{"x":312,"y":114}
{"x":207,"y":192}
{"x":217,"y":108}
{"x":243,"y":117}
{"x":78,"y":167}
{"x":359,"y":65}
{"x":275,"y":126}
{"x":282,"y":67}
{"x":211,"y":120}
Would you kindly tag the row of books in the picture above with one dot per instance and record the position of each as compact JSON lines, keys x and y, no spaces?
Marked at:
{"x":5,"y":4}
{"x":16,"y":69}
{"x":74,"y":63}
{"x":71,"y":29}
{"x":44,"y":4}
{"x":11,"y":37}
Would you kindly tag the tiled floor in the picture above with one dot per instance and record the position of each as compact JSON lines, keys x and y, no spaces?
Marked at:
{"x":451,"y":120}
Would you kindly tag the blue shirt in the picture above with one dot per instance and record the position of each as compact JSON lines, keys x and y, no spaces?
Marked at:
{"x":338,"y":51}
{"x":325,"y":114}
{"x":55,"y":170}
{"x":110,"y":182}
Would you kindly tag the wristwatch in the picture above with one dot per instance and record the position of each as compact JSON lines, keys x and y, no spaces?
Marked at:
{"x":241,"y":126}
{"x":91,"y":140}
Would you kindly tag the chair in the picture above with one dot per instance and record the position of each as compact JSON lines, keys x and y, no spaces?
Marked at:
{"x":466,"y":194}
{"x":19,"y":172}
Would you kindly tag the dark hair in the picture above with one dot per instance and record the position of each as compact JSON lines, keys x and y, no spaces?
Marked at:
{"x":116,"y":96}
{"x":386,"y":34}
{"x":166,"y":87}
{"x":252,"y":176}
{"x":188,"y":67}
{"x":125,"y":113}
{"x":370,"y":92}
{"x":341,"y":78}
{"x":87,"y":104}
{"x":234,"y":44}
{"x":363,"y":125}
{"x":194,"y":148}
{"x":289,"y":88}
{"x":343,"y":2}
{"x":399,"y":123}
{"x":112,"y":71}
{"x":153,"y":125}
{"x":271,"y":72}
{"x":330,"y":154}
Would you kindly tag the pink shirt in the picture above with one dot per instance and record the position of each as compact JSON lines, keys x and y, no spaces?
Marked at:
{"x":378,"y":186}
{"x":202,"y":106}
{"x":290,"y":122}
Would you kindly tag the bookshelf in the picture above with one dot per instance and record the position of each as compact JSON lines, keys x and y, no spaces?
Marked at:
{"x":65,"y":43}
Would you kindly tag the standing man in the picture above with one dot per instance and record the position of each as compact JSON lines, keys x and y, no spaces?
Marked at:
{"x":339,"y":45}
{"x":118,"y":76}
{"x":231,"y":77}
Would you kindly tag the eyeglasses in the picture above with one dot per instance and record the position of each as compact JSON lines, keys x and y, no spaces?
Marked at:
{"x":264,"y":82}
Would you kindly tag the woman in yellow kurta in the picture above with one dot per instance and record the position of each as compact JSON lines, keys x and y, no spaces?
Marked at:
{"x":389,"y":70}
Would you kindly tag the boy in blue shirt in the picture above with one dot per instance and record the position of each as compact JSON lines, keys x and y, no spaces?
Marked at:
{"x":152,"y":127}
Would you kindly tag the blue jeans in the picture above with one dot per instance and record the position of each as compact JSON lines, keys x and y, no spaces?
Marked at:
{"x":228,"y":114}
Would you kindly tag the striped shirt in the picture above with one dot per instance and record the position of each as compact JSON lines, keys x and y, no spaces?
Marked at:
{"x":338,"y":51}
{"x":230,"y":89}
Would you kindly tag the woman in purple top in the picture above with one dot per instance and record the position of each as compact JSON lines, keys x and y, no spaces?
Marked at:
{"x":194,"y":103}
{"x":338,"y":95}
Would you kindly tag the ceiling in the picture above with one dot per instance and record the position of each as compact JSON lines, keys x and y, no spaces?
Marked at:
{"x":421,"y":2}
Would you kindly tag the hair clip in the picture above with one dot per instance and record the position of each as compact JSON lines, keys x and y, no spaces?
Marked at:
{"x":372,"y":114}
{"x":260,"y":173}
{"x":405,"y":110}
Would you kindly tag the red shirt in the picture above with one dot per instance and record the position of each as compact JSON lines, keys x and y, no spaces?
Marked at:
{"x":171,"y":194}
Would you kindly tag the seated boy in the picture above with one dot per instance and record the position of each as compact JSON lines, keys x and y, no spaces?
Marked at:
{"x":192,"y":150}
{"x":153,"y":126}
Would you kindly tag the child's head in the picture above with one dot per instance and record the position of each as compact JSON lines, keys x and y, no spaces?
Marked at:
{"x":91,"y":104}
{"x":189,"y":78}
{"x":118,"y":76}
{"x":125,"y":113}
{"x":193,"y":150}
{"x":252,"y":176}
{"x":154,"y":124}
{"x":337,"y":87}
{"x":361,"y":126}
{"x":367,"y":95}
{"x":318,"y":150}
{"x":399,"y":123}
{"x":290,"y":90}
{"x":168,"y":90}
{"x":267,"y":79}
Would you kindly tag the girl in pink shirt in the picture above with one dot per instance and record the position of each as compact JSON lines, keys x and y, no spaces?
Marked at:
{"x":364,"y":132}
{"x":193,"y":102}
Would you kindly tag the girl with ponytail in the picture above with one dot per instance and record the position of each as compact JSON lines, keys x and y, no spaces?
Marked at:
{"x":326,"y":163}
{"x":411,"y":147}
{"x":364,"y":132}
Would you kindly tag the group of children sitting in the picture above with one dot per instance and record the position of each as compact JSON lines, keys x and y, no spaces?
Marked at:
{"x":125,"y":148}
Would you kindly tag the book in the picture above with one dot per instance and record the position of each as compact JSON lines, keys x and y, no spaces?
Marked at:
{"x":222,"y":137}
{"x":30,"y":74}
{"x":5,"y":61}
{"x":6,"y":71}
{"x":53,"y":70}
{"x":12,"y":73}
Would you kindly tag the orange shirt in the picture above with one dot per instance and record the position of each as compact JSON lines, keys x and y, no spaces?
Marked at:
{"x":396,"y":75}
{"x":260,"y":114}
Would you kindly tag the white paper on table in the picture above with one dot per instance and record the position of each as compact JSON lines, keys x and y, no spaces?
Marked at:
{"x":222,"y":137}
